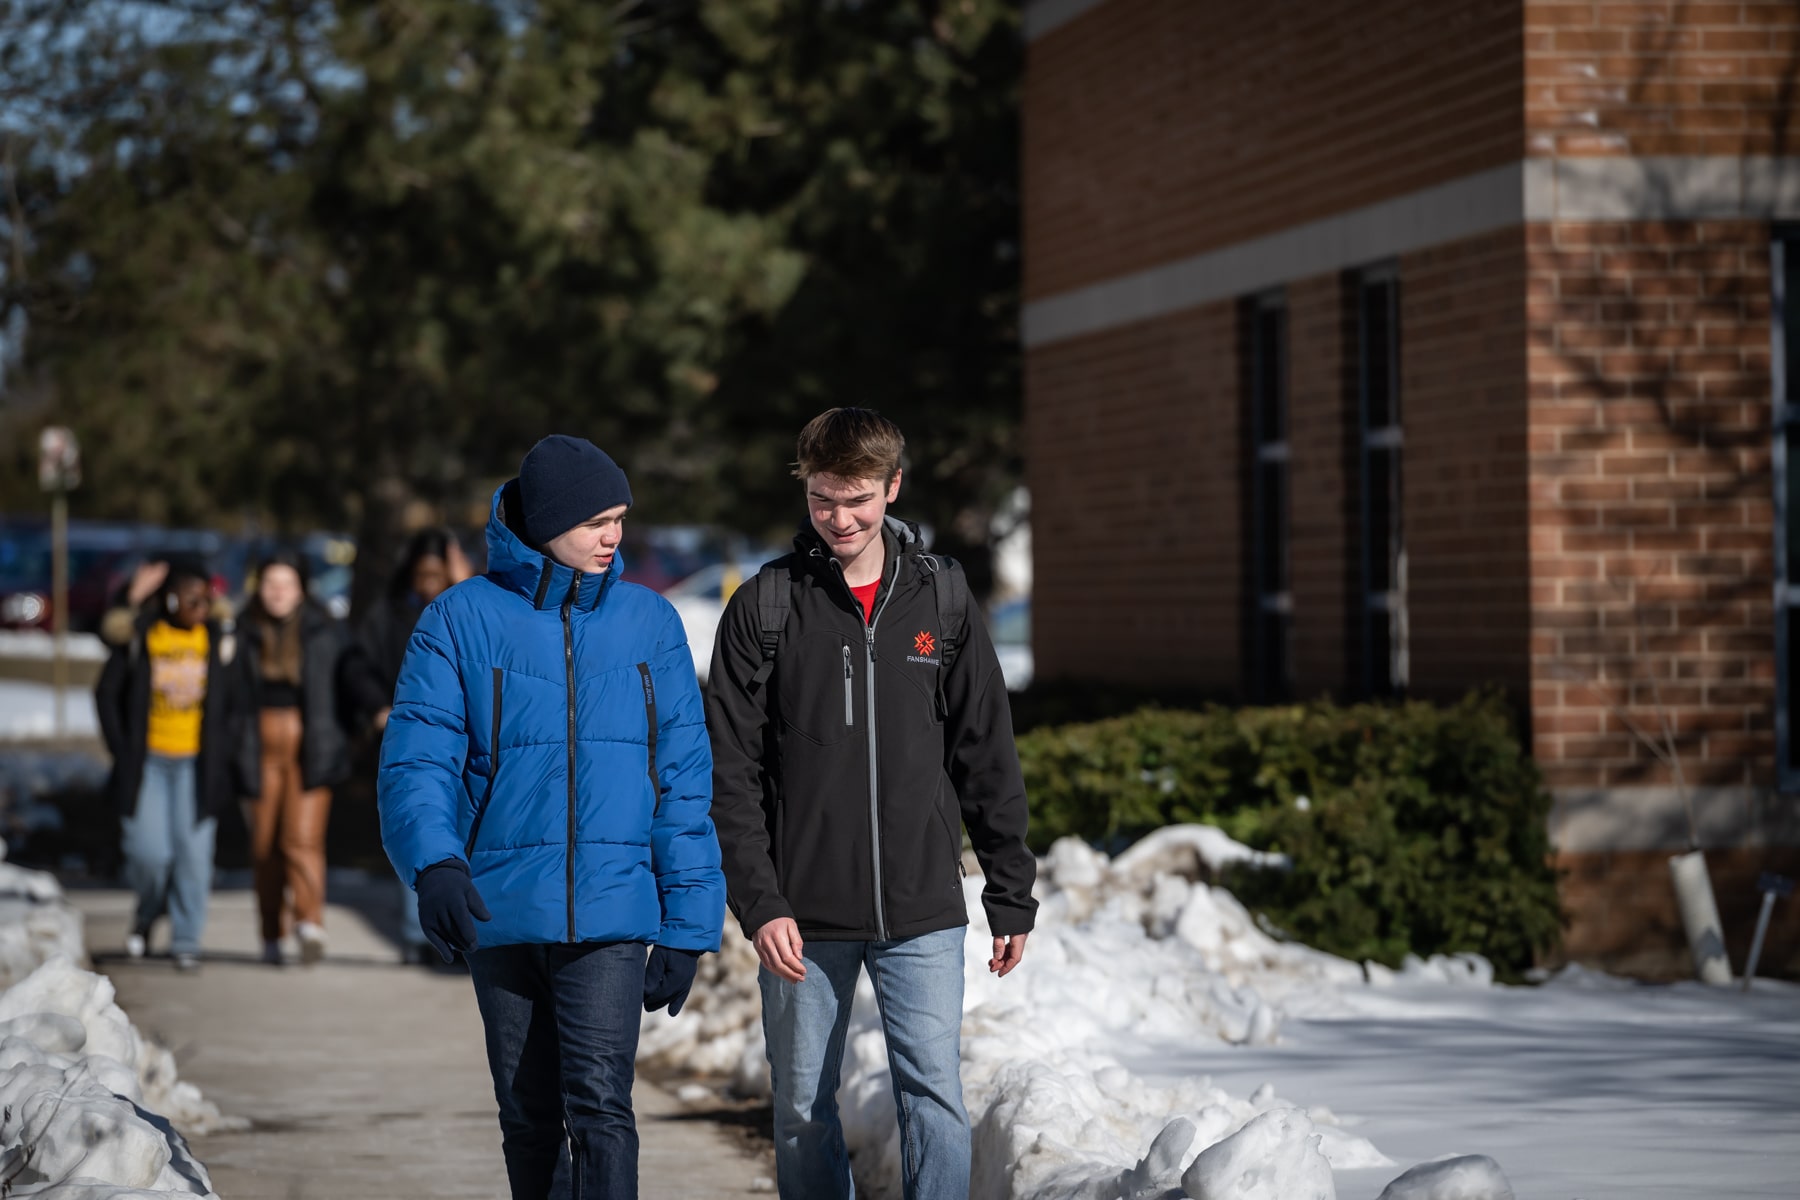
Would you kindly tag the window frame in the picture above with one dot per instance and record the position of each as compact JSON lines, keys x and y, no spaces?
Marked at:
{"x":1378,"y":680}
{"x":1270,"y":601}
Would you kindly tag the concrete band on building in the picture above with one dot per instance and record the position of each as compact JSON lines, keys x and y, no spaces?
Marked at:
{"x":1670,"y":188}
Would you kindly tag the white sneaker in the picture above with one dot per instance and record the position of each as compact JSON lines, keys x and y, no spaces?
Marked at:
{"x":312,"y":941}
{"x":135,"y":946}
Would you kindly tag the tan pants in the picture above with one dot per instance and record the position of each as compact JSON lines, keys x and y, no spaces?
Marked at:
{"x":287,"y":829}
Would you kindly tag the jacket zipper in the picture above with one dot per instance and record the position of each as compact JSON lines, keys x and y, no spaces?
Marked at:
{"x":569,"y":670}
{"x":881,"y":929}
{"x":849,"y":693}
{"x":487,"y":794}
{"x":649,"y":683}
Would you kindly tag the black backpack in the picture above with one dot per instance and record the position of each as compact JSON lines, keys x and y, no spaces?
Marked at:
{"x":775,"y":599}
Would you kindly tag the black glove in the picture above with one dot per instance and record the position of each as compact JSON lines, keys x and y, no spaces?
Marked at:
{"x":449,"y":906}
{"x":668,"y":976}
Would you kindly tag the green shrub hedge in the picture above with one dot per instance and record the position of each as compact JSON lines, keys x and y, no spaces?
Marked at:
{"x":1412,"y":827}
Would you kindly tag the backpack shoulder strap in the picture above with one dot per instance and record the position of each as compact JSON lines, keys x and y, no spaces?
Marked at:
{"x":951,"y":589}
{"x":774,"y":600}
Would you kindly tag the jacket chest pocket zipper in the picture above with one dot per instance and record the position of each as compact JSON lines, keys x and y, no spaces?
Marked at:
{"x":650,"y":731}
{"x":849,"y":692}
{"x":487,"y":793}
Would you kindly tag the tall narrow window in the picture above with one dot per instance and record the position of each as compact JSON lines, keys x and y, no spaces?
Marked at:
{"x":1271,"y":607}
{"x":1784,"y":366}
{"x":1384,"y":632}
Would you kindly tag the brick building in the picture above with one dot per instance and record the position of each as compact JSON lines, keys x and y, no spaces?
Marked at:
{"x":1400,"y":348}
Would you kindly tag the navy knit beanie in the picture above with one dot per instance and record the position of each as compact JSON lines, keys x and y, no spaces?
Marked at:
{"x":564,"y":481}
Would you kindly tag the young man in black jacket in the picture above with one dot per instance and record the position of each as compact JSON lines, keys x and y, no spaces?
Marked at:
{"x":859,"y":721}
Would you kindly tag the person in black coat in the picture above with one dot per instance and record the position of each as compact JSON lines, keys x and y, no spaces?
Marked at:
{"x":371,"y":666}
{"x":292,"y":751}
{"x":168,"y":711}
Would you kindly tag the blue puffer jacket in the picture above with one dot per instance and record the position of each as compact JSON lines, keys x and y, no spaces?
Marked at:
{"x":534,"y":707}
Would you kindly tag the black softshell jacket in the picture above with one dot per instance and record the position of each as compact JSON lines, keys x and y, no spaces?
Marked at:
{"x":809,"y":830}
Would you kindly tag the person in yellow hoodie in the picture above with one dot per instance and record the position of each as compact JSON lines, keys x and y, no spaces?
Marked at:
{"x":165,"y":705}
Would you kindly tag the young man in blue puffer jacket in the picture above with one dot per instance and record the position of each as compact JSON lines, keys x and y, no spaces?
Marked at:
{"x":546,"y":774}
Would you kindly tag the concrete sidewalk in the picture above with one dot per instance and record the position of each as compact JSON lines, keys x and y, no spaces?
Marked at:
{"x":363,"y":1079}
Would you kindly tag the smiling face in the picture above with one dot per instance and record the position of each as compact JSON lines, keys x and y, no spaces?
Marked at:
{"x":847,"y":515}
{"x":189,"y":602}
{"x":590,"y":546}
{"x":279,"y":590}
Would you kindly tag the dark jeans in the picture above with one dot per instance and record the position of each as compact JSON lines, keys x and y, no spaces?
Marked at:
{"x":562,"y":1033}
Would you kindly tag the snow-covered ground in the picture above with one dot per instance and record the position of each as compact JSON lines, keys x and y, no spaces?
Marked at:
{"x":89,"y":1108}
{"x":35,"y":643}
{"x":28,"y":710}
{"x":1152,"y":1021}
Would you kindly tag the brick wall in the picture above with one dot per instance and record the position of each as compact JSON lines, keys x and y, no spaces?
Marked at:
{"x":1157,"y":129}
{"x":1661,"y":78}
{"x":1463,"y":492}
{"x":1132,"y":441}
{"x":1651,"y":500}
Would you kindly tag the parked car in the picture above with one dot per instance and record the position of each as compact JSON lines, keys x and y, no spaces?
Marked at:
{"x":100,"y":555}
{"x":700,"y":601}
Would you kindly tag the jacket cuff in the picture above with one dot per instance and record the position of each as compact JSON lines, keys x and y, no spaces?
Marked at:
{"x":772,"y":909}
{"x":442,"y":864}
{"x":1005,"y":920}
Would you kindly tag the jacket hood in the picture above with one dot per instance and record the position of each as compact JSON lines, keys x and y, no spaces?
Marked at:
{"x":514,"y":565}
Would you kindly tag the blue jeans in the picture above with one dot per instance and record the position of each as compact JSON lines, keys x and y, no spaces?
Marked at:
{"x":919,"y":986}
{"x":562,"y":1034}
{"x":411,"y":936}
{"x":168,"y":853}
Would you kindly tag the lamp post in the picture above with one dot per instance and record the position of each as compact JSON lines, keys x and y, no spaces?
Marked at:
{"x":59,"y":472}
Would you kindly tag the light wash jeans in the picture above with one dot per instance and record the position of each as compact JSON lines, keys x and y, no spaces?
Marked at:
{"x":412,"y":938}
{"x":919,"y":986}
{"x":169,"y":854}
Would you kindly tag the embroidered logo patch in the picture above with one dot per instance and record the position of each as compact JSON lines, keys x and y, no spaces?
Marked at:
{"x":924,"y":647}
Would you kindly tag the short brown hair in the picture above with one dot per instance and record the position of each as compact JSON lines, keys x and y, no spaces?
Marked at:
{"x":850,"y":443}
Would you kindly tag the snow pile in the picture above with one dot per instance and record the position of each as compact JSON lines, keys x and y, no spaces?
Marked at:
{"x":1127,"y":952}
{"x":36,"y":925}
{"x":719,"y":1031}
{"x":1130,"y":952}
{"x":88,"y":1106}
{"x":61,"y":989}
{"x":1470,"y":1177}
{"x":80,"y":1094}
{"x":1274,"y":1157}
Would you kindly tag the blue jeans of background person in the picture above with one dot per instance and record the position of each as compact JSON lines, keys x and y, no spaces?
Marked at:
{"x":168,"y":853}
{"x":919,"y":986}
{"x":562,"y":1034}
{"x":412,"y":938}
